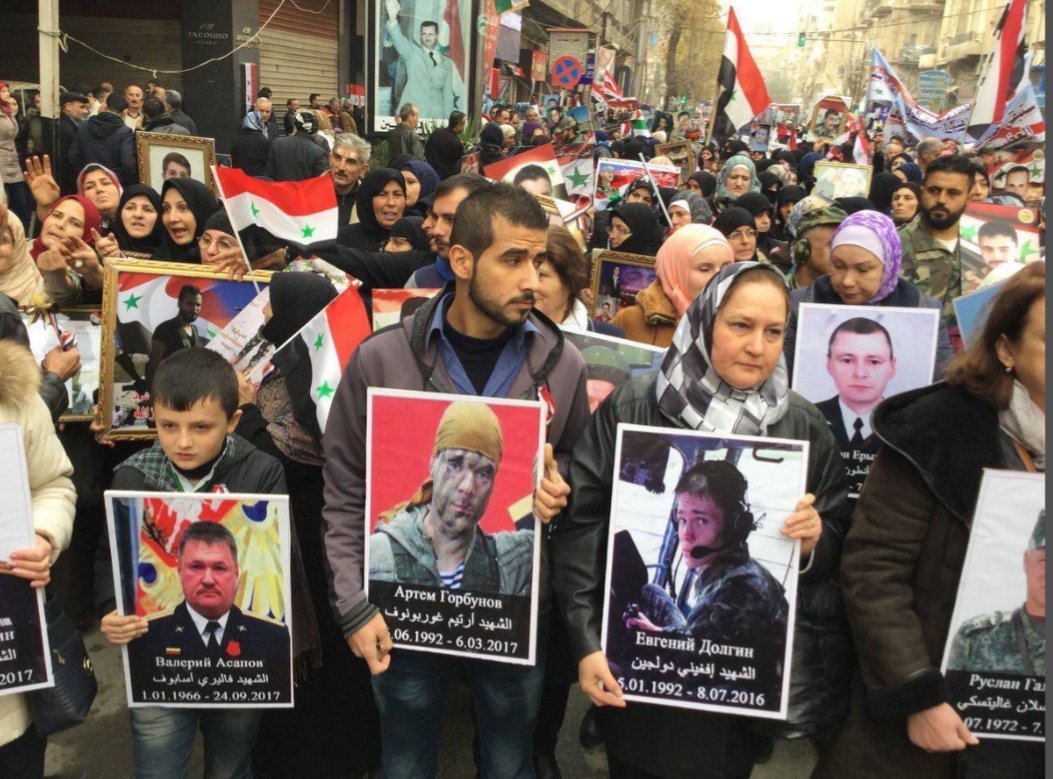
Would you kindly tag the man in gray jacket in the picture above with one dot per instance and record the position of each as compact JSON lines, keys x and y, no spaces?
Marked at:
{"x":481,"y":336}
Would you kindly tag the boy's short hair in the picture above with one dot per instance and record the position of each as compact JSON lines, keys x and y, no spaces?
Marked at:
{"x":195,"y":374}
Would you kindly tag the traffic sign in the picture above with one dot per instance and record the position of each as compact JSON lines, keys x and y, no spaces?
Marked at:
{"x":567,"y":72}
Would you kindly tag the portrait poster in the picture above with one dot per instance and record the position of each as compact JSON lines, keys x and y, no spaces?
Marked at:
{"x":209,"y":572}
{"x":163,"y":156}
{"x":759,"y":136}
{"x":536,"y":170}
{"x":617,"y":278}
{"x":470,"y":163}
{"x":994,"y":661}
{"x":841,"y":179}
{"x":992,"y":235}
{"x":701,"y":590}
{"x":874,"y":353}
{"x":972,"y":309}
{"x":453,"y":546}
{"x":682,"y":154}
{"x":242,"y":343}
{"x":80,"y":327}
{"x":153,"y":309}
{"x":420,"y":53}
{"x":610,"y":362}
{"x":391,"y":306}
{"x":613,"y":177}
{"x":577,"y":167}
{"x":828,"y":118}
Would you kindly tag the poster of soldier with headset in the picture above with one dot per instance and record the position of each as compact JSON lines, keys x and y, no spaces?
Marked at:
{"x":701,"y":584}
{"x":995,"y":658}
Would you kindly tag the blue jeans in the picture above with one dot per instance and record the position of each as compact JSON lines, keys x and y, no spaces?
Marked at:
{"x":163,"y":740}
{"x":411,"y":696}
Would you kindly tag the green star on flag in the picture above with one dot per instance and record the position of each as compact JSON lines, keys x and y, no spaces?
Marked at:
{"x":324,"y":390}
{"x":968,"y":232}
{"x":132,"y":301}
{"x":577,"y":178}
{"x":307,"y":231}
{"x":1026,"y":251}
{"x":255,"y":211}
{"x":319,"y":341}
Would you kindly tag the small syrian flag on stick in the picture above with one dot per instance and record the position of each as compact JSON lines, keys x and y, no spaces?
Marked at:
{"x":740,"y":85}
{"x":320,"y":352}
{"x":301,"y":213}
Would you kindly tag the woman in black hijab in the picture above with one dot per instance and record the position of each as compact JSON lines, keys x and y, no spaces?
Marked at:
{"x":762,"y":211}
{"x":380,"y":202}
{"x":738,"y":226}
{"x":881,"y":189}
{"x":703,"y":182}
{"x":186,"y":204}
{"x":635,"y":229}
{"x":491,"y":144}
{"x":787,"y":198}
{"x":770,"y":184}
{"x":138,"y":227}
{"x":408,"y":235}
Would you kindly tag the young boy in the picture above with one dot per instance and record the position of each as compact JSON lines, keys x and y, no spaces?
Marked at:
{"x":196,"y":410}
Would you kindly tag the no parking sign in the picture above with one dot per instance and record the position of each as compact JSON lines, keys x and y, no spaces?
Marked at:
{"x":567,"y":72}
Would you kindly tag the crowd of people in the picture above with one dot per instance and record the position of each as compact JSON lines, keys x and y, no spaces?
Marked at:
{"x":737,"y":246}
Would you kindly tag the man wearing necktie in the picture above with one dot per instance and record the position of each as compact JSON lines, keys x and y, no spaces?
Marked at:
{"x":861,"y":361}
{"x":432,"y":82}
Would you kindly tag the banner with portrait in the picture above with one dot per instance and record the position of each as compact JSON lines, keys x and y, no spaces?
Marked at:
{"x":613,"y":177}
{"x":994,"y":661}
{"x":209,"y":572}
{"x":993,"y":235}
{"x":536,"y":170}
{"x":610,"y":362}
{"x":701,"y":584}
{"x":420,"y":53}
{"x":25,"y":656}
{"x":453,"y":546}
{"x":847,"y":359}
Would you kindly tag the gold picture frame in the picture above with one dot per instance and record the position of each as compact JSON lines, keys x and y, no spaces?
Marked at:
{"x":841,"y":179}
{"x":682,"y":154}
{"x":155,"y":149}
{"x":137,"y":404}
{"x":82,"y":399}
{"x":607,"y":281}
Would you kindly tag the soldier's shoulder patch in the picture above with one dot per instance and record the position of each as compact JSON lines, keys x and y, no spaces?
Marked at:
{"x":984,"y":622}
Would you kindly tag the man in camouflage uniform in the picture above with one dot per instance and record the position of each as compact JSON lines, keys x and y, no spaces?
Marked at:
{"x":1010,"y":642}
{"x":810,"y":226}
{"x":932,"y":259}
{"x":434,"y":538}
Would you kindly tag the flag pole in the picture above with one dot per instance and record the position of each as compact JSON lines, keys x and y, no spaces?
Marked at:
{"x":657,"y":194}
{"x":237,"y":234}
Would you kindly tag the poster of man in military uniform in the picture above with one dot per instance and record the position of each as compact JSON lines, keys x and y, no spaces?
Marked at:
{"x":996,"y":652}
{"x":452,"y":551}
{"x":701,"y":584}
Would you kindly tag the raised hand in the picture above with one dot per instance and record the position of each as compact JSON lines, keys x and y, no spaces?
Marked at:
{"x":41,"y":182}
{"x":106,"y":245}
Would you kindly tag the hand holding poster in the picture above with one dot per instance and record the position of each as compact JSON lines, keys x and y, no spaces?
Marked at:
{"x":701,"y":583}
{"x":452,"y":552}
{"x":210,"y":574}
{"x":847,"y":359}
{"x":994,"y":662}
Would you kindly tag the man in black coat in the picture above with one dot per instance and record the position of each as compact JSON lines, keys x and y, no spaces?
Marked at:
{"x":74,"y":110}
{"x":174,"y":106}
{"x":105,"y":139}
{"x":297,"y":157}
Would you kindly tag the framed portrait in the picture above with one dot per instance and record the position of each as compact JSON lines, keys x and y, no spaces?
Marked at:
{"x":152,"y":309}
{"x":672,"y":542}
{"x":682,"y":155}
{"x":994,"y":660}
{"x":841,"y":179}
{"x":847,"y":359}
{"x":420,"y":53}
{"x":228,"y":645}
{"x":163,"y":156}
{"x":828,"y":118}
{"x":453,"y":546}
{"x":610,"y":362}
{"x":570,"y":216}
{"x":535,"y":170}
{"x":616,"y":279}
{"x":470,"y":163}
{"x":992,"y":235}
{"x":79,"y":326}
{"x":391,"y":306}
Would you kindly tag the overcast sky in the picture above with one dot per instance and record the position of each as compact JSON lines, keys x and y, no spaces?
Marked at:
{"x":781,"y":15}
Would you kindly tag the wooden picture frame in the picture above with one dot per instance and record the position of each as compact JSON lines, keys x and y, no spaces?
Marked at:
{"x":818,"y":126}
{"x":155,"y":150}
{"x":607,"y":285}
{"x":84,"y":386}
{"x":841,"y":179}
{"x":682,"y":154}
{"x":222,"y":300}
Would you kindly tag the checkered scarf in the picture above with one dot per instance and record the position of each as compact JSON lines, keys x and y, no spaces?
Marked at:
{"x":690,"y":392}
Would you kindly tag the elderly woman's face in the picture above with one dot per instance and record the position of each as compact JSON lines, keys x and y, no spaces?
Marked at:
{"x":748,"y":334}
{"x":738,"y":182}
{"x":855,"y":274}
{"x":904,"y":205}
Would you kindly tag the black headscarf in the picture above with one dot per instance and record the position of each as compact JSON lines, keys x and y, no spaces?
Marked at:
{"x":767,"y":180}
{"x":851,"y":205}
{"x":754,"y":202}
{"x":411,"y":229}
{"x":202,"y":204}
{"x":881,"y":189}
{"x":647,"y":234}
{"x":706,"y":180}
{"x":145,"y":245}
{"x":732,"y":218}
{"x":790,"y":194}
{"x":913,"y":188}
{"x":367,"y":234}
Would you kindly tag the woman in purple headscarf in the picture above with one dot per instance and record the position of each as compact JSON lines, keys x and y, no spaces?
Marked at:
{"x":865,"y":255}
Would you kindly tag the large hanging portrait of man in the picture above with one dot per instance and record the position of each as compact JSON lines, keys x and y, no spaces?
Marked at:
{"x":452,"y":549}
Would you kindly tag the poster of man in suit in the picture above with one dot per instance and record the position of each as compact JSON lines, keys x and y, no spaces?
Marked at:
{"x":210,"y":576}
{"x":848,"y":359}
{"x":422,"y":57}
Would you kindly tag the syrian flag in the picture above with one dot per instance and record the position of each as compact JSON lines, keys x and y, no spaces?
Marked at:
{"x":314,"y":359}
{"x":1005,"y":71}
{"x":1022,"y":121}
{"x":742,"y":91}
{"x":639,"y":128}
{"x":302,"y":213}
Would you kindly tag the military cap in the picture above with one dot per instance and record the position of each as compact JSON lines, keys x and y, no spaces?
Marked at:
{"x":605,"y":364}
{"x":813,"y":211}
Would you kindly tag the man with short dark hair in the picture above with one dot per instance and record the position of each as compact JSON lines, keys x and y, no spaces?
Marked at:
{"x":479,"y":337}
{"x":176,"y":333}
{"x":74,"y":111}
{"x":105,"y":139}
{"x":932,"y":259}
{"x":174,"y":105}
{"x":534,"y":179}
{"x":297,"y":157}
{"x":292,"y":105}
{"x":1016,"y":180}
{"x":998,"y":243}
{"x":404,"y":138}
{"x":158,"y":120}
